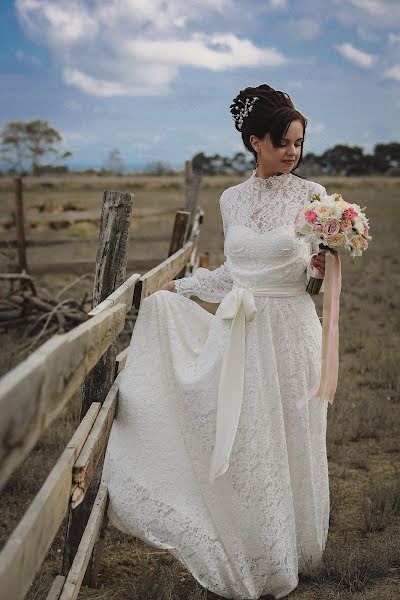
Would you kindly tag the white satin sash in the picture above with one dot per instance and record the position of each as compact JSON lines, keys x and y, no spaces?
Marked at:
{"x":238,"y":306}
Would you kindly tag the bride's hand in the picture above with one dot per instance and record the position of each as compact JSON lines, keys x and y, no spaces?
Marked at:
{"x":318,"y":264}
{"x":170,"y":287}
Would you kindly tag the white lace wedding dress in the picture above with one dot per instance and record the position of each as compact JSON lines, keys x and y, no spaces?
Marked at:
{"x":251,"y":530}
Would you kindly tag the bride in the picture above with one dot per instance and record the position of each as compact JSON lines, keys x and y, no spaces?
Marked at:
{"x":209,"y":456}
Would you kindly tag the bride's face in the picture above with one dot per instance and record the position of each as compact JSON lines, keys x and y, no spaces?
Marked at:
{"x":275,"y":160}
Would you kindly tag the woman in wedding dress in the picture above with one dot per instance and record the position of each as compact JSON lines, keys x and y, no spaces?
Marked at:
{"x":209,"y":455}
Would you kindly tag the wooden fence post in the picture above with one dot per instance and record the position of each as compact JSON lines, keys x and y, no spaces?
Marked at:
{"x":110,"y":273}
{"x":192,"y":186}
{"x":179,"y":235}
{"x":19,"y":225}
{"x":179,"y":232}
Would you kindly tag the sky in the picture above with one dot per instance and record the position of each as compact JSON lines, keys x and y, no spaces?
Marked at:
{"x":154,"y":78}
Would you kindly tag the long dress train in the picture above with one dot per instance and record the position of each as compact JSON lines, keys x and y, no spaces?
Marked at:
{"x":249,"y":530}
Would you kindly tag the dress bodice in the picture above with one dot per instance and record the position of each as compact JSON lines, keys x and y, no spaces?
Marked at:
{"x":260,"y":245}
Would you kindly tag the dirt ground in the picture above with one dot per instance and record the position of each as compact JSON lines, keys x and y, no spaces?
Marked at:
{"x":362,"y":557}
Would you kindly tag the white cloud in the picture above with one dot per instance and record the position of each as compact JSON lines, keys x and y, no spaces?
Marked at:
{"x":72,"y":104}
{"x":28,"y":58}
{"x":305,"y":28}
{"x":393,"y":38}
{"x":277,"y":4}
{"x":133,"y":47}
{"x":375,"y":14}
{"x":392,"y":73}
{"x":90,"y":85}
{"x":363,"y":59}
{"x":375,"y":8}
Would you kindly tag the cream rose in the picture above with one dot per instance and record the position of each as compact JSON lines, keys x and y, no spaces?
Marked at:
{"x":321,"y":210}
{"x":358,"y":242}
{"x":343,"y":203}
{"x":335,"y":240}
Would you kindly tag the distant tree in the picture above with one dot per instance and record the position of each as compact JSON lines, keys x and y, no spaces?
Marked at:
{"x":342,"y":159}
{"x":29,"y":141}
{"x":241,"y":163}
{"x":114,"y":163}
{"x":217,"y":164}
{"x":387,"y":156}
{"x":158,"y":167}
{"x":13,"y":141}
{"x":202,"y":163}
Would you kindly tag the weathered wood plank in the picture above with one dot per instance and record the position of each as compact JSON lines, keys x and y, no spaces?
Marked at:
{"x":121,"y":359}
{"x":20,"y":224}
{"x":73,"y":216}
{"x":154,"y":279}
{"x":15,"y":276}
{"x":90,"y":535}
{"x":35,"y":391}
{"x":27,"y":546}
{"x":95,"y":445}
{"x":179,"y":231}
{"x":56,"y":588}
{"x":122,"y":295}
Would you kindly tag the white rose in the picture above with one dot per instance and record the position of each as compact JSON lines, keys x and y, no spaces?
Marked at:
{"x":336,"y":211}
{"x":358,"y":225}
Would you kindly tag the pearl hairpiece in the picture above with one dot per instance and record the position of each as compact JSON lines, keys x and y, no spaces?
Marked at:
{"x":244,"y":111}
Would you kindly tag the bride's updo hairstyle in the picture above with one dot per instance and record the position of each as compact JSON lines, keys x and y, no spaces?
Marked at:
{"x":261,"y":110}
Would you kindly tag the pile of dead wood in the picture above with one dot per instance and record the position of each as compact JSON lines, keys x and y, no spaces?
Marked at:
{"x":40,"y":314}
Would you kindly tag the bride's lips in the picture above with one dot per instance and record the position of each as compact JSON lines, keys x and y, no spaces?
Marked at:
{"x":288,"y":162}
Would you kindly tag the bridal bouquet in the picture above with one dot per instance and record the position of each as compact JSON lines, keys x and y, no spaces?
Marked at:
{"x":333,"y":223}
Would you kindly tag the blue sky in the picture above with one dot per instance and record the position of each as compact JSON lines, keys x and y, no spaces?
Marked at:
{"x":155,"y":78}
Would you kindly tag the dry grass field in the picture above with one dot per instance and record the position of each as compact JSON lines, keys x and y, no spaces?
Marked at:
{"x":362,"y":557}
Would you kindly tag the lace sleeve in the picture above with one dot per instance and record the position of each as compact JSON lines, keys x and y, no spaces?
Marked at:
{"x":211,"y":286}
{"x":314,"y":246}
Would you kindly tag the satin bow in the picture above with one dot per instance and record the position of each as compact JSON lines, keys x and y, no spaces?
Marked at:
{"x":238,"y":305}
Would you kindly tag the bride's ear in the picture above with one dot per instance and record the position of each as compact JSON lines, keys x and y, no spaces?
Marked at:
{"x":255,"y":143}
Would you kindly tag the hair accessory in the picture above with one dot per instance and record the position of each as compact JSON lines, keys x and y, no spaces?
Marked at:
{"x":244,"y":111}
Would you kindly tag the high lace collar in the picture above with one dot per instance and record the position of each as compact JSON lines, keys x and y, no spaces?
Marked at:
{"x":272,"y":181}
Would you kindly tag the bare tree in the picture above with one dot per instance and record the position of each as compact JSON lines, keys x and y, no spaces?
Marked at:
{"x":14,"y":145}
{"x":29,"y":141}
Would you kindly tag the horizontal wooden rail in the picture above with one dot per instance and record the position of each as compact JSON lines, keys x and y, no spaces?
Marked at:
{"x":136,"y":237}
{"x":121,"y":358}
{"x":77,"y":571}
{"x":56,"y":588}
{"x":123,"y":294}
{"x":73,"y":216}
{"x":94,"y":447}
{"x":164,"y":272}
{"x":27,"y":546}
{"x":35,"y":391}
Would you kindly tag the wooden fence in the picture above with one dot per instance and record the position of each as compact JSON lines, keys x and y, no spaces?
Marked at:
{"x":33,"y":394}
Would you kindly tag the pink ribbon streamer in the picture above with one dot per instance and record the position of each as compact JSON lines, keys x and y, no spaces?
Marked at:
{"x":325,"y":388}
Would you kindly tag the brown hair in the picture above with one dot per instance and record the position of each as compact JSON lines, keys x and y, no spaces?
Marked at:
{"x":272,"y":113}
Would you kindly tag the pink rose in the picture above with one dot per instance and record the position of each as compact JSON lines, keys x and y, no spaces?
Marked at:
{"x":366,"y":229}
{"x":350,"y":213}
{"x":317,"y":227}
{"x":365,"y":245}
{"x":331,"y":227}
{"x":346,"y":225}
{"x":310,"y":216}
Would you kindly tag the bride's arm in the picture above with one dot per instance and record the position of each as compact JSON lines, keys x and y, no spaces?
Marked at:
{"x":210,"y":286}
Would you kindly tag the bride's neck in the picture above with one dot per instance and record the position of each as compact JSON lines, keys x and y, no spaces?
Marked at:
{"x":265,"y":173}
